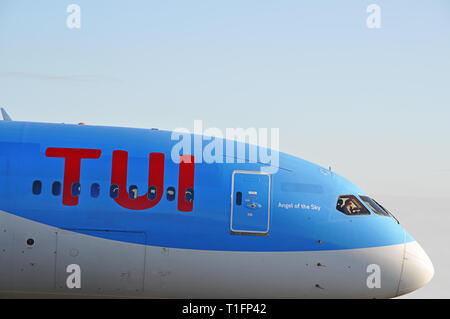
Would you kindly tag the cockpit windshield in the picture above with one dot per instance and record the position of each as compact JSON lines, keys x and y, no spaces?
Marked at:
{"x":374,"y":206}
{"x":350,"y":205}
{"x":377,"y":208}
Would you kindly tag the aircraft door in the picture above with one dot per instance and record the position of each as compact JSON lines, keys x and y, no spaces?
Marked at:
{"x":250,"y":203}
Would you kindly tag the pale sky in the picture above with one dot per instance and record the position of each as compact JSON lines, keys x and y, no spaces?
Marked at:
{"x":372,"y":103}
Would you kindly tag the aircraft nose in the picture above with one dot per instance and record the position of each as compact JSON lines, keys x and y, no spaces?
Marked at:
{"x":417,"y":269}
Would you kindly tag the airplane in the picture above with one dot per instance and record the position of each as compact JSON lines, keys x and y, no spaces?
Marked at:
{"x":94,"y":211}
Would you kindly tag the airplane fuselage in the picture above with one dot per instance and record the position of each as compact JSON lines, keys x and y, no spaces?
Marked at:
{"x":113,"y":202}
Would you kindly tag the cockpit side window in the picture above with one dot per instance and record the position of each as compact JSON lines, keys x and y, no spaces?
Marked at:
{"x":350,"y":205}
{"x":377,"y":209}
{"x":398,"y":222}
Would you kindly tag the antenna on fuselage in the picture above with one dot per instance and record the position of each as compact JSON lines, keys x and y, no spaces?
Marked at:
{"x":5,"y":115}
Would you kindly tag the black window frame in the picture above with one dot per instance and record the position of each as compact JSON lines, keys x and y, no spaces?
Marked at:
{"x":238,"y":198}
{"x":187,"y":198}
{"x":74,"y":189}
{"x":387,"y":212}
{"x":363,"y":211}
{"x":36,"y":188}
{"x":112,"y":191}
{"x":56,"y":192}
{"x":131,"y":192}
{"x":373,"y":206}
{"x":170,"y":197}
{"x":150,"y":193}
{"x":95,"y":186}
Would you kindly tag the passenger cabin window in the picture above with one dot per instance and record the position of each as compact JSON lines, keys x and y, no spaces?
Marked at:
{"x":56,"y":188}
{"x":350,"y":205}
{"x":114,"y":191}
{"x":170,"y":193}
{"x":133,"y":192}
{"x":152,"y":193}
{"x":37,"y":187}
{"x":189,"y":195}
{"x":76,"y":189}
{"x":95,"y":190}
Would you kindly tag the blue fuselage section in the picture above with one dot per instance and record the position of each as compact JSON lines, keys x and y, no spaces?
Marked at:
{"x":301,"y":198}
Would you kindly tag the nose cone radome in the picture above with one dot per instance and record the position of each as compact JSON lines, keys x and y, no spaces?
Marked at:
{"x":417,"y":269}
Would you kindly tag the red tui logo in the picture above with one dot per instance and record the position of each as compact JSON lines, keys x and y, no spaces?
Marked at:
{"x":72,"y":168}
